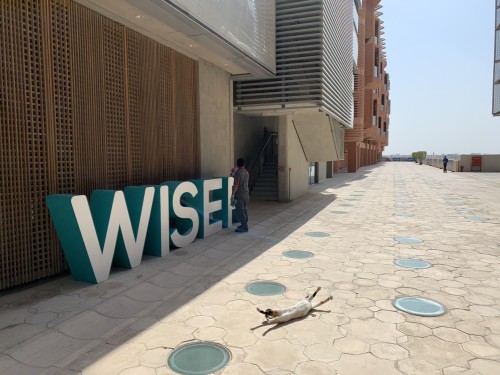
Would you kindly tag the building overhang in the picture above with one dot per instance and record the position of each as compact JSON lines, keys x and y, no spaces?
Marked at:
{"x":167,"y":24}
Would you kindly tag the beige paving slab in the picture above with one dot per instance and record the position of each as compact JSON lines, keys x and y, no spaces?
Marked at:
{"x":131,"y":323}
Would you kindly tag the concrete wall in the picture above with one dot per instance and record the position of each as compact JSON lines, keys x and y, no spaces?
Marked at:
{"x":490,"y":163}
{"x":293,"y":166}
{"x":216,"y":131}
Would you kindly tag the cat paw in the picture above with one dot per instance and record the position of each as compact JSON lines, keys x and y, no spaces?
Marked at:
{"x":330,"y":298}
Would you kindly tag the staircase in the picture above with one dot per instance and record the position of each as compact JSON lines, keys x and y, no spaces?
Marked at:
{"x":266,"y":184}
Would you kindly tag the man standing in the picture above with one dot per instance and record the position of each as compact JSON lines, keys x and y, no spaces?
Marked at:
{"x":445,"y":163}
{"x":241,"y":195}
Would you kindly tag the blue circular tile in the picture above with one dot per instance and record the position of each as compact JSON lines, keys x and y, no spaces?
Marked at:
{"x":477,"y":218}
{"x":408,"y":240}
{"x":199,"y":358}
{"x":404,"y":215}
{"x":403,"y":207}
{"x":298,"y":254}
{"x":463,"y":209}
{"x":419,"y":306}
{"x":265,"y":288}
{"x":317,"y":234}
{"x":413,"y":263}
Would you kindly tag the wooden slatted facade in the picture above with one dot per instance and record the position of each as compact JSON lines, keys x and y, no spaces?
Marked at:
{"x":85,"y":103}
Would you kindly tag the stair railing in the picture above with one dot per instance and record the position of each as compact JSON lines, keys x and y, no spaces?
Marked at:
{"x":257,"y":163}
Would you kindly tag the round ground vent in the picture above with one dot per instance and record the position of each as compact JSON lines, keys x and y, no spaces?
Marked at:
{"x":419,"y":306}
{"x":317,"y":234}
{"x":265,"y":288}
{"x":298,"y":254}
{"x":413,"y":263}
{"x":199,"y":358}
{"x":408,"y":240}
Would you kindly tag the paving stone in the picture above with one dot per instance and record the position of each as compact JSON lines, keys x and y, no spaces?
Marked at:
{"x":364,"y":364}
{"x":240,"y":339}
{"x":485,"y":366}
{"x":140,"y":370}
{"x":209,"y":333}
{"x":358,"y":313}
{"x":47,"y":348}
{"x":373,"y":330}
{"x":300,"y":333}
{"x":316,"y":368}
{"x":242,"y":368}
{"x":472,"y":328}
{"x":272,"y":355}
{"x":390,"y":317}
{"x":351,"y":345}
{"x":450,"y":334}
{"x":8,"y":365}
{"x":90,"y":325}
{"x":417,"y":367}
{"x":482,"y":350}
{"x":389,"y":351}
{"x":432,"y":349}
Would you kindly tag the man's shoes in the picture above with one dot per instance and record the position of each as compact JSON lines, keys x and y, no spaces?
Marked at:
{"x":240,"y":229}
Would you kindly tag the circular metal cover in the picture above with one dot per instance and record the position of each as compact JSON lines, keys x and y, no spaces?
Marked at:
{"x":265,"y":288}
{"x":477,"y":218}
{"x":317,"y":234}
{"x":198,"y":358}
{"x":412,"y":263}
{"x":419,"y":306}
{"x":408,"y":240}
{"x":298,"y":254}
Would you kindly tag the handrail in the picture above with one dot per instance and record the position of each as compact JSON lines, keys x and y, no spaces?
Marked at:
{"x":262,"y":148}
{"x":258,"y":158}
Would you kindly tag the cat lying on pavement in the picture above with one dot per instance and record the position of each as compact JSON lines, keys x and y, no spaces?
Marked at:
{"x":298,"y":310}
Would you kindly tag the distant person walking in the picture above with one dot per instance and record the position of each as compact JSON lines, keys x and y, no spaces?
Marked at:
{"x":241,"y":195}
{"x":445,"y":163}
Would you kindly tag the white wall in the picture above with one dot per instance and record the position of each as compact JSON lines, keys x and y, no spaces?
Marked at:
{"x":293,"y":166}
{"x":216,"y":131}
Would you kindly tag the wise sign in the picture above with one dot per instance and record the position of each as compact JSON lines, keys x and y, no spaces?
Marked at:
{"x":117,"y":227}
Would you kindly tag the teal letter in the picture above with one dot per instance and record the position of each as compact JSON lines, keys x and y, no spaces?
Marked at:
{"x":186,"y":222}
{"x":89,"y":234}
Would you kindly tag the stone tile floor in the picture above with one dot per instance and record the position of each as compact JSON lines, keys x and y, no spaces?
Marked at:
{"x":131,"y":323}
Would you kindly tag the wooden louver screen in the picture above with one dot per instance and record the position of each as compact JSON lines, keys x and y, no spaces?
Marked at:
{"x":85,"y":104}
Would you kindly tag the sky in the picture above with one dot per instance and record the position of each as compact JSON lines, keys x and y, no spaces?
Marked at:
{"x":440,"y":62}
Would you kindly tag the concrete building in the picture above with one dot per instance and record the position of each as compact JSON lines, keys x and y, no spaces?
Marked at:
{"x":307,"y":106}
{"x":104,"y":95}
{"x":496,"y":63}
{"x":365,"y":142}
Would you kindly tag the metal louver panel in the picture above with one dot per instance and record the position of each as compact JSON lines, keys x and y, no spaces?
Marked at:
{"x":314,"y":62}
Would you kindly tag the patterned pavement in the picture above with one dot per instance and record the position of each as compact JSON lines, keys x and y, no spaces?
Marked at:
{"x":132,"y":322}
